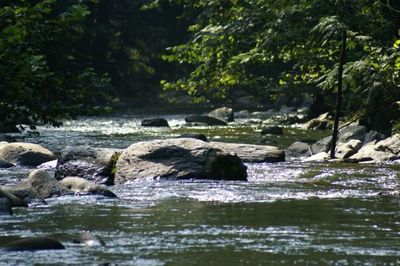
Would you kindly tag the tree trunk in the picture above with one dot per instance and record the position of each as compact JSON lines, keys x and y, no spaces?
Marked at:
{"x":339,"y":93}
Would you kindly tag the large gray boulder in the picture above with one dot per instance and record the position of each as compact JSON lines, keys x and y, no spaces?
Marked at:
{"x":391,"y":144}
{"x":298,"y":149}
{"x":323,"y":145}
{"x":352,"y":132}
{"x":83,"y":186}
{"x":178,"y":159}
{"x":345,"y":150}
{"x":26,"y":154}
{"x":253,"y":153}
{"x":95,"y":164}
{"x":223,"y":113}
{"x":373,"y":136}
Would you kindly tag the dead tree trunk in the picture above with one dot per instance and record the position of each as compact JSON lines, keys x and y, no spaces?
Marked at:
{"x":339,"y":93}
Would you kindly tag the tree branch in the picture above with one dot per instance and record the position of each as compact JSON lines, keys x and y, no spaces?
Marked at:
{"x":390,"y":7}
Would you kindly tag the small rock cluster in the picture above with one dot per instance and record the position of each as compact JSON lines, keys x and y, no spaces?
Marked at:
{"x":354,"y":144}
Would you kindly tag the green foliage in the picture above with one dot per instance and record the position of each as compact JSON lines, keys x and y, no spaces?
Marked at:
{"x":274,"y":48}
{"x":42,"y":79}
{"x":64,"y":58}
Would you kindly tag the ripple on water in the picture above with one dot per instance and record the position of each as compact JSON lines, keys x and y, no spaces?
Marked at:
{"x":287,"y":213}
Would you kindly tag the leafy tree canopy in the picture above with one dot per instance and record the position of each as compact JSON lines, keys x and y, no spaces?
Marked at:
{"x":275,"y":48}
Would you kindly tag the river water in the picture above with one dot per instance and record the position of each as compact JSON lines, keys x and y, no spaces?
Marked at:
{"x":289,"y":213}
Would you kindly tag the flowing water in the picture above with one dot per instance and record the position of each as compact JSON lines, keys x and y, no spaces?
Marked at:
{"x":289,"y":213}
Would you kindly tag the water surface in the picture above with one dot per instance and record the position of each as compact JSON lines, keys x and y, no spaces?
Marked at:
{"x":287,"y":213}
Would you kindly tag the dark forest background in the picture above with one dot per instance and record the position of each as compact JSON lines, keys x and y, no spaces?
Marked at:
{"x":60,"y":59}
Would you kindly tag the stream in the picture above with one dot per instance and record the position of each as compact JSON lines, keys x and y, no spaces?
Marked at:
{"x":289,"y":213}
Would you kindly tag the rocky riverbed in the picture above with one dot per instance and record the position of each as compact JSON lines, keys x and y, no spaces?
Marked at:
{"x":287,"y":211}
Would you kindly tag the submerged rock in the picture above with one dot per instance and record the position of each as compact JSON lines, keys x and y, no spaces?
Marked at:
{"x":205,"y":120}
{"x":26,"y":154}
{"x":5,"y":164}
{"x":253,"y":153}
{"x":32,"y":244}
{"x":155,"y":122}
{"x":5,"y":206}
{"x":89,"y":239}
{"x":95,"y":164}
{"x":83,"y":186}
{"x":272,"y":130}
{"x":180,"y":158}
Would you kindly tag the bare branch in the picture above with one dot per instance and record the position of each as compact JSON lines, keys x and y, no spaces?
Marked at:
{"x":390,"y":7}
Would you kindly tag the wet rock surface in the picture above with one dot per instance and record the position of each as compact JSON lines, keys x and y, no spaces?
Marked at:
{"x":95,"y":164}
{"x":178,"y":159}
{"x":25,"y":154}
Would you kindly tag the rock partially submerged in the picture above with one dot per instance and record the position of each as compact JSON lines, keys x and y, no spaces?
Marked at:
{"x":379,"y":151}
{"x":5,"y":164}
{"x":253,"y":153}
{"x":5,"y":206}
{"x":198,"y":136}
{"x":356,"y":145}
{"x":88,"y":239}
{"x":39,"y":184}
{"x":180,"y":158}
{"x":272,"y":130}
{"x":23,"y":190}
{"x":155,"y":122}
{"x":25,"y":154}
{"x":223,"y":113}
{"x":33,"y":244}
{"x":94,"y":164}
{"x":46,"y":186}
{"x":205,"y":120}
{"x":83,"y":186}
{"x":14,"y":200}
